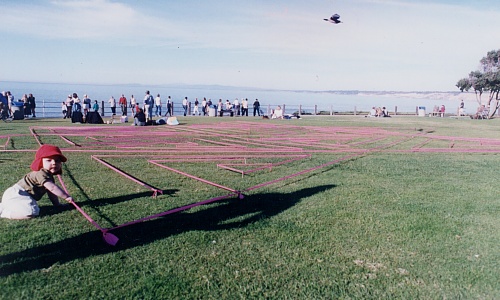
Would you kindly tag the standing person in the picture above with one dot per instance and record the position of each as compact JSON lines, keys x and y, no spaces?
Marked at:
{"x":86,"y":105}
{"x":3,"y":98}
{"x":244,"y":107}
{"x":112,"y":105}
{"x":133,"y":103}
{"x":26,"y":106}
{"x":169,"y":107}
{"x":148,"y":106}
{"x":74,"y":98}
{"x":185,"y":105}
{"x":123,"y":105}
{"x":69,"y":107}
{"x":461,"y":109}
{"x":20,"y":200}
{"x":77,"y":112}
{"x":195,"y":109}
{"x":95,"y":107}
{"x":31,"y":100}
{"x":219,"y":108}
{"x":10,"y":100}
{"x":64,"y":110}
{"x":5,"y":105}
{"x":204,"y":106}
{"x":236,"y":107}
{"x":256,"y":107}
{"x":241,"y":105}
{"x":158,"y":106}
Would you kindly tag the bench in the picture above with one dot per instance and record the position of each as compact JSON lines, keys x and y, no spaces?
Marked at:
{"x":227,"y":112}
{"x":435,"y":114}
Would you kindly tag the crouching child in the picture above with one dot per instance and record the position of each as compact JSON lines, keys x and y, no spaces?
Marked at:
{"x":20,"y":200}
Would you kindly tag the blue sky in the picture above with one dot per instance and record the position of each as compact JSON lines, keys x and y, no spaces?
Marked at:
{"x":382,"y":45}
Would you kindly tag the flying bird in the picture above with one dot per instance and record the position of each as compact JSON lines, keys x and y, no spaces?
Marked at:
{"x":334,"y":19}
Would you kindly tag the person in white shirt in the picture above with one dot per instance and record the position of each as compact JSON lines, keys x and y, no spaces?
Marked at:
{"x":373,"y":112}
{"x":236,"y":107}
{"x":133,"y":103}
{"x":158,"y":105}
{"x":278,"y":113}
{"x":112,"y":105}
{"x":244,"y":107}
{"x":219,"y":108}
{"x":185,"y":105}
{"x":204,"y":106}
{"x":148,"y":106}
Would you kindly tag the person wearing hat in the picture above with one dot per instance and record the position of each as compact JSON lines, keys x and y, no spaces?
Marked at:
{"x":20,"y":200}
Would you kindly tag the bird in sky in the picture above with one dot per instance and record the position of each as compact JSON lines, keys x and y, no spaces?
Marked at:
{"x":334,"y":19}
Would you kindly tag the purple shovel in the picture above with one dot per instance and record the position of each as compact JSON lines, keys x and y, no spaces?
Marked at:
{"x":109,"y":238}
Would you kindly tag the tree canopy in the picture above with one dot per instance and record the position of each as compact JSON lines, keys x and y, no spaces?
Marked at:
{"x":486,"y":79}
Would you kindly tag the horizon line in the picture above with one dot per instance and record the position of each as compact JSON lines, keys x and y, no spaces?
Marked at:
{"x":234,"y":87}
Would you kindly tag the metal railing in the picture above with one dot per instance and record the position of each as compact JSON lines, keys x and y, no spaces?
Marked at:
{"x":48,"y":109}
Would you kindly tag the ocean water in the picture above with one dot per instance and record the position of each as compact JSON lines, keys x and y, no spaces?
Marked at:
{"x":49,"y":97}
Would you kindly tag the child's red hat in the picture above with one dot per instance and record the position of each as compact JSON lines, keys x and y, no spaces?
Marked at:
{"x":46,"y":151}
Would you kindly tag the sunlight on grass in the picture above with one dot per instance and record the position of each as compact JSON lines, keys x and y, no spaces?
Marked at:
{"x":382,"y":222}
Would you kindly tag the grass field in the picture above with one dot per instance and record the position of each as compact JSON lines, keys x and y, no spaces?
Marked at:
{"x":340,"y":207}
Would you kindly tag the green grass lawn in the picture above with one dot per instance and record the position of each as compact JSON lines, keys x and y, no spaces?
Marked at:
{"x":387,"y":223}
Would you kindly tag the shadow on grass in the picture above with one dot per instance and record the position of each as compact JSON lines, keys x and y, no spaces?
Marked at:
{"x":227,"y":214}
{"x":47,"y":211}
{"x":112,"y":200}
{"x":124,"y":198}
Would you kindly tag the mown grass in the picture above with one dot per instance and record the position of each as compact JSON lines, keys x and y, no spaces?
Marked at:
{"x":382,"y":225}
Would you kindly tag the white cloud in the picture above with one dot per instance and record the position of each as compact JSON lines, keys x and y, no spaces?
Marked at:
{"x":93,"y":19}
{"x":278,"y":43}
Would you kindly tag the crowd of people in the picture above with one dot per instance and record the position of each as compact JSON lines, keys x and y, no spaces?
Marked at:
{"x":483,"y":112}
{"x":143,"y":112}
{"x":236,"y":108}
{"x":86,"y":110}
{"x":378,"y":112}
{"x":81,"y":110}
{"x":77,"y":110}
{"x":8,"y":106}
{"x":441,"y":110}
